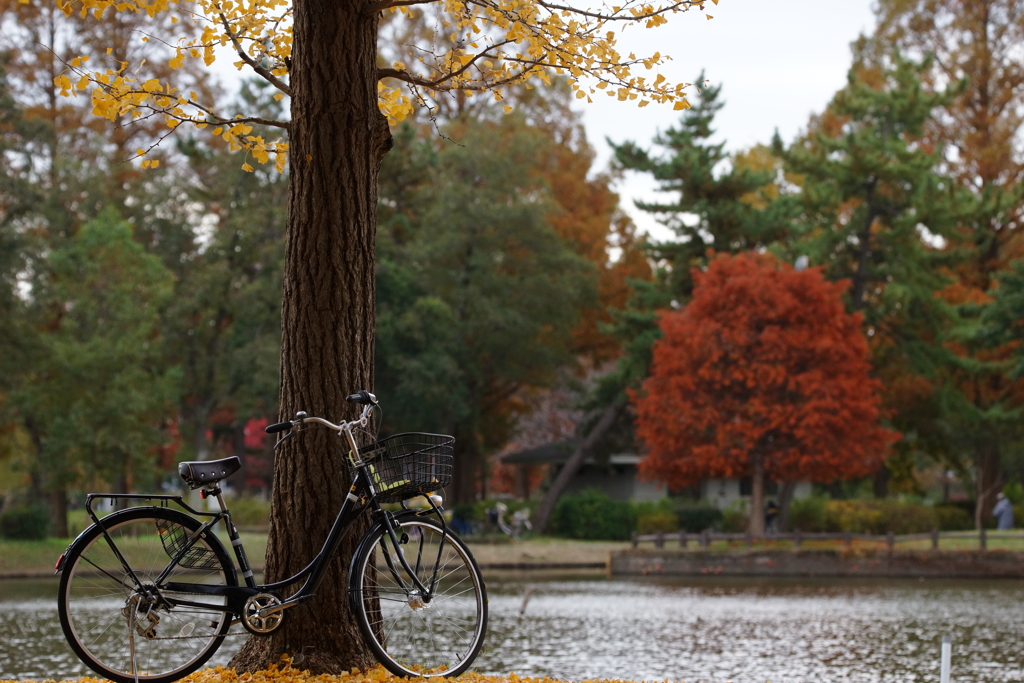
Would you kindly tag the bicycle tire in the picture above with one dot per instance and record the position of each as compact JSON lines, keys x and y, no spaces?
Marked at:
{"x":95,"y":593}
{"x":439,"y":638}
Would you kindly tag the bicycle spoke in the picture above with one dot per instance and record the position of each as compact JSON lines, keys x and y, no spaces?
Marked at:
{"x":442,"y":635}
{"x":93,"y":600}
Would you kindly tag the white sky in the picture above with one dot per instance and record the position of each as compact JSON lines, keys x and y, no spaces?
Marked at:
{"x":777,"y":60}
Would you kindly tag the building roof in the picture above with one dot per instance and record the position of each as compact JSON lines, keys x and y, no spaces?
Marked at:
{"x":558,"y":453}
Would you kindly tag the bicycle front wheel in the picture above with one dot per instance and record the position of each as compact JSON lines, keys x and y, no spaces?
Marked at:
{"x":412,"y":634}
{"x":123,"y":630}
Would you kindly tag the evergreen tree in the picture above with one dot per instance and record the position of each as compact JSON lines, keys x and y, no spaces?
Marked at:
{"x":101,"y":392}
{"x":713,"y":205}
{"x":477,"y":294}
{"x":876,"y":209}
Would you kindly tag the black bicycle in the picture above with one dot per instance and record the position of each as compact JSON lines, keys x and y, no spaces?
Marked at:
{"x":149,"y":593}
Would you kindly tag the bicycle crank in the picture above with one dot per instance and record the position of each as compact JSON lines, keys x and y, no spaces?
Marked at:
{"x":254,"y":616}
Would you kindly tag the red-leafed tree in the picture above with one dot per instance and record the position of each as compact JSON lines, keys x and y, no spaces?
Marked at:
{"x":763,"y":374}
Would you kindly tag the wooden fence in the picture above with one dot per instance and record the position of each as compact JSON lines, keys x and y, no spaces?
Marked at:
{"x":706,"y":538}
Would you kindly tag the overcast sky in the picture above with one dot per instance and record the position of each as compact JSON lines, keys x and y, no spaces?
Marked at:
{"x":777,"y":61}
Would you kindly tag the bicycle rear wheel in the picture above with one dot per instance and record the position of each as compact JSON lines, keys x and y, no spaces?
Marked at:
{"x":100,"y":605}
{"x":409,"y":635}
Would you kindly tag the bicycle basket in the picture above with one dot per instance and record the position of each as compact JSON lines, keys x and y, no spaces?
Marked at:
{"x":175,"y":537}
{"x":407,"y":465}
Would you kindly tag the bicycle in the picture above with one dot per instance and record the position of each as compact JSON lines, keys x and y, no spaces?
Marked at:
{"x":149,"y":593}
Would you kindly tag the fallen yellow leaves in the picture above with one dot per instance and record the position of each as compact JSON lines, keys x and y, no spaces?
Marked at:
{"x":286,"y":673}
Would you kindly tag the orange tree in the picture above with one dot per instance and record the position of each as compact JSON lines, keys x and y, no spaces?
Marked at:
{"x":323,"y":55}
{"x":763,"y":374}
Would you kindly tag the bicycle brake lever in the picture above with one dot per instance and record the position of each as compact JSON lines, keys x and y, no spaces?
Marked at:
{"x":283,"y":439}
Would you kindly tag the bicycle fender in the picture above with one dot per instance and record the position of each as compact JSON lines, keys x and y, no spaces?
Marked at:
{"x":59,"y":567}
{"x":113,"y":517}
{"x":365,"y":545}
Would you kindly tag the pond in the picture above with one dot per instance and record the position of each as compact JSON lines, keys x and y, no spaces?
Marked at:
{"x":707,"y":630}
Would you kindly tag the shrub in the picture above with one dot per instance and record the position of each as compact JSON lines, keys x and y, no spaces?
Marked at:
{"x":879,"y":517}
{"x":735,"y":519}
{"x":26,"y":522}
{"x":908,"y":518}
{"x":954,"y":518}
{"x":592,"y":515}
{"x":653,"y":522}
{"x":807,"y":514}
{"x":696,"y":519}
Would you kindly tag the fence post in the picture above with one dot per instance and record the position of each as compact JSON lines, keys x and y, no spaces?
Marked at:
{"x":935,"y":539}
{"x":659,"y":539}
{"x":682,"y":539}
{"x":635,"y":539}
{"x":798,"y":538}
{"x":748,"y":538}
{"x":705,"y":539}
{"x":982,"y":540}
{"x":847,"y":538}
{"x":891,"y":540}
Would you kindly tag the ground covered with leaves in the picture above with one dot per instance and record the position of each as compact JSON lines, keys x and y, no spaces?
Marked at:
{"x":285,"y":673}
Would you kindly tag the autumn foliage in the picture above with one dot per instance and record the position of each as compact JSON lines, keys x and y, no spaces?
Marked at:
{"x":763,"y":374}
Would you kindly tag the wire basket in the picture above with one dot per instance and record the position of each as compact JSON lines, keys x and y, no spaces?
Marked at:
{"x":408,"y":465}
{"x":175,"y":537}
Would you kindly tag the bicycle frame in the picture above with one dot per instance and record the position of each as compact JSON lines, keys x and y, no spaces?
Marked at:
{"x":360,"y":496}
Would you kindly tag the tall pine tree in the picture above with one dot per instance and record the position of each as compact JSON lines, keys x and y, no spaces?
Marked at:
{"x":875,"y":209}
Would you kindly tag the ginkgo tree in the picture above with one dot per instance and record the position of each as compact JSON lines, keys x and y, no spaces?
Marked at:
{"x":324,"y":56}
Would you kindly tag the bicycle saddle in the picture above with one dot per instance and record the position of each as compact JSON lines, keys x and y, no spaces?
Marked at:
{"x":204,"y":472}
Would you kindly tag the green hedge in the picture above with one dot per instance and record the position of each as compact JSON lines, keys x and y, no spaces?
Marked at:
{"x":698,"y":518}
{"x":593,"y":515}
{"x":877,"y":517}
{"x":25,"y":522}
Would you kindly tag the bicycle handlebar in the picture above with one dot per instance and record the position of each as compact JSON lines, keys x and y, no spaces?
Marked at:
{"x":368,"y":400}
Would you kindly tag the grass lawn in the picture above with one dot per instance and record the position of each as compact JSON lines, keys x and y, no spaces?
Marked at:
{"x":39,"y":557}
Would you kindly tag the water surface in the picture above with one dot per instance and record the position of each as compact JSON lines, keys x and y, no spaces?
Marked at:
{"x":713,"y":630}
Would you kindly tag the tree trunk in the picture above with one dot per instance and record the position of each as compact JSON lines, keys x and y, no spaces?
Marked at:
{"x":785,"y":500}
{"x":576,"y":460}
{"x":756,"y":525}
{"x":338,"y":138}
{"x":465,"y":469}
{"x":59,"y":513}
{"x":880,"y":482}
{"x":989,"y":481}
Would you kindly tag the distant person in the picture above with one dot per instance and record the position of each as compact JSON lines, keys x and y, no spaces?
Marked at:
{"x":771,"y":516}
{"x":1003,"y":512}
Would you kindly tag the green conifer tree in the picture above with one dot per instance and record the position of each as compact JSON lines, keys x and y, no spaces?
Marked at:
{"x":877,"y":209}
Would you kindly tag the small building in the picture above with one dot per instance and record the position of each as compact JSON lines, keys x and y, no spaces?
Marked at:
{"x":617,"y":475}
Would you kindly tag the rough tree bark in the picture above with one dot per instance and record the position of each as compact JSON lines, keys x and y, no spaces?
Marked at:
{"x":337,"y":140}
{"x":575,"y":461}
